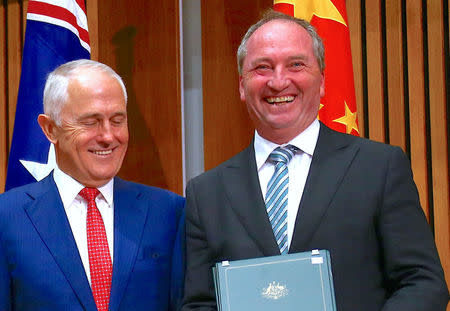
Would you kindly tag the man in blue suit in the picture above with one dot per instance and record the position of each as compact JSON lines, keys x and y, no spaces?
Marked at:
{"x":83,"y":239}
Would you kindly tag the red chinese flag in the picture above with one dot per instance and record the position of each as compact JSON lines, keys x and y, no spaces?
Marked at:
{"x":329,"y":17}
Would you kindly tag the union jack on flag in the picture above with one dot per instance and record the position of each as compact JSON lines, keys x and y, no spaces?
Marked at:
{"x":56,"y":33}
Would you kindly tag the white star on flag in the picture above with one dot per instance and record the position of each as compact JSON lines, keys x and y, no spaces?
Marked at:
{"x":41,"y":170}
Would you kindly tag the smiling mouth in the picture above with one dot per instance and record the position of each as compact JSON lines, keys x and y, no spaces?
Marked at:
{"x":280,"y":100}
{"x":102,"y":152}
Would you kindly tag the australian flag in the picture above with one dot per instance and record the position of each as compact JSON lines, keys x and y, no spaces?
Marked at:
{"x":56,"y":32}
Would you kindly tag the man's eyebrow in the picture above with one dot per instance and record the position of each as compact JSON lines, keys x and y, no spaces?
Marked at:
{"x":99,"y":115}
{"x":298,"y":57}
{"x":120,"y":114}
{"x":260,"y":59}
{"x":89,"y":116}
{"x":268,"y":59}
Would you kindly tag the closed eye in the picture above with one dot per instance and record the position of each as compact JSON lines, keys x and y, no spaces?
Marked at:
{"x":89,"y":122}
{"x":118,"y":120}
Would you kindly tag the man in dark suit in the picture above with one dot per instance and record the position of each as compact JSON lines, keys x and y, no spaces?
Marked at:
{"x":83,"y":239}
{"x":351,"y":196}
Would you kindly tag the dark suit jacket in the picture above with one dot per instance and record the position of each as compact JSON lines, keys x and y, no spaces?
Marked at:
{"x":40,"y":267}
{"x":359,"y":202}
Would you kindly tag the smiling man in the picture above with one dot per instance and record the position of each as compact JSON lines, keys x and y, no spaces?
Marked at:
{"x":82,"y":238}
{"x":301,"y":186}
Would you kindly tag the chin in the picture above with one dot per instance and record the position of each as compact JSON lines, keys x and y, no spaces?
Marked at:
{"x":103,"y":176}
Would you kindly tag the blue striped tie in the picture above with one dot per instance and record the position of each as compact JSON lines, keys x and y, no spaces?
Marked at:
{"x":277,"y":194}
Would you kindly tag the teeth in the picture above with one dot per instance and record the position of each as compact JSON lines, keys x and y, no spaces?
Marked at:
{"x":103,"y":152}
{"x":280,"y":99}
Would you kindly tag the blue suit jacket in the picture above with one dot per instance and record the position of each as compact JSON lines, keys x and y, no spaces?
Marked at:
{"x":40,"y":267}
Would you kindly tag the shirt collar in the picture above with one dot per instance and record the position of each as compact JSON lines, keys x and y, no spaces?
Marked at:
{"x":306,"y":141}
{"x":69,"y":188}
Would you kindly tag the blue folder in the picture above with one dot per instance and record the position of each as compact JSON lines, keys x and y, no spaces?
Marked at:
{"x":301,"y":281}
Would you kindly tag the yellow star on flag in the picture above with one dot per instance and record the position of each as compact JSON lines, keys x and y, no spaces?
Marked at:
{"x":320,"y":107}
{"x":349,"y":120}
{"x":305,"y":9}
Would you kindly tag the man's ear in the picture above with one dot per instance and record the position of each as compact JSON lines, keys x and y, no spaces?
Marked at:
{"x":322,"y":85}
{"x":241,"y":88}
{"x":48,"y":126}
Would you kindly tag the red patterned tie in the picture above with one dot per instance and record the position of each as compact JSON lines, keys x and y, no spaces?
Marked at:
{"x":99,"y":256}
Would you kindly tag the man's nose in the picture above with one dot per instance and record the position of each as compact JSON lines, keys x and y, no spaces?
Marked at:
{"x":106,"y":132}
{"x":279,"y":80}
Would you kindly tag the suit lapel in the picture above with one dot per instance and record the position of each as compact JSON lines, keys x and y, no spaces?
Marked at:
{"x":240,"y":178}
{"x":331,"y":160}
{"x":129,"y":221}
{"x":47,"y":214}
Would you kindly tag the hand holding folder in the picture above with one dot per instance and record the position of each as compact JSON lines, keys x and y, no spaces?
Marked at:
{"x":301,"y":281}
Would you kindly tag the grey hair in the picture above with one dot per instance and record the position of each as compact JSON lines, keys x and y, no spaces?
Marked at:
{"x":271,"y":15}
{"x":55,"y":90}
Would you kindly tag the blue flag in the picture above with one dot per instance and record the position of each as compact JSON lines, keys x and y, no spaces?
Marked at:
{"x":56,"y":32}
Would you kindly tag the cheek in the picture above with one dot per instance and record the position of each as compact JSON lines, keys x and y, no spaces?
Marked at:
{"x":122,"y":135}
{"x":76,"y":138}
{"x":75,"y":135}
{"x":252,"y":84}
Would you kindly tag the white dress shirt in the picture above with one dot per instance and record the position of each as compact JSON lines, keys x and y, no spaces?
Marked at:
{"x":76,"y":210}
{"x":298,"y":167}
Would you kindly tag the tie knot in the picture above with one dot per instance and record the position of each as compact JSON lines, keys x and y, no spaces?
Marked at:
{"x":283,"y":154}
{"x":89,"y":194}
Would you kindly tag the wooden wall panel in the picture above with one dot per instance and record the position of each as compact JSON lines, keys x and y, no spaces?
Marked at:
{"x":227,"y":127}
{"x":374,"y":71}
{"x":354,"y":23}
{"x":439,"y":139}
{"x":3,"y":98}
{"x":12,"y":24}
{"x":24,"y":9}
{"x":14,"y":50}
{"x":417,"y":100}
{"x":394,"y":43}
{"x":92,"y":17}
{"x":141,"y":41}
